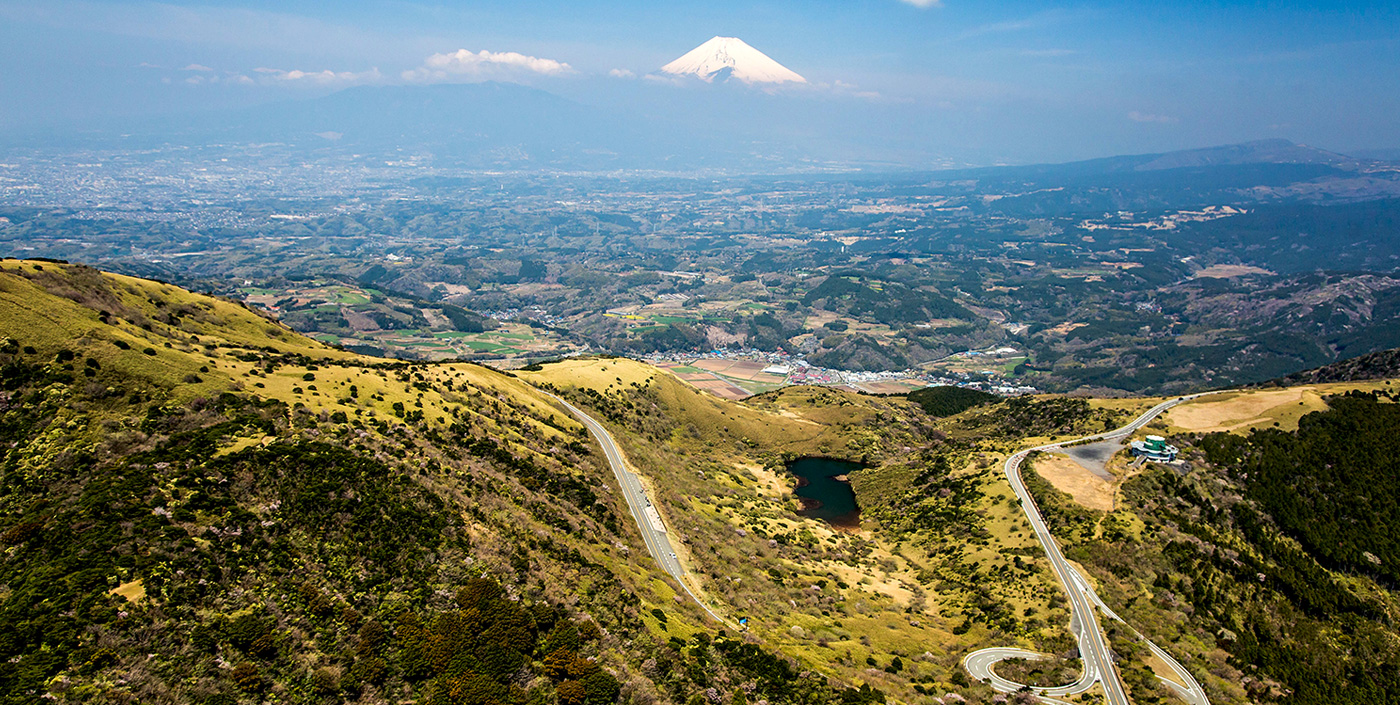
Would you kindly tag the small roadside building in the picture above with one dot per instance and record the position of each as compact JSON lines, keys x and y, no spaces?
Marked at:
{"x":1155,"y":449}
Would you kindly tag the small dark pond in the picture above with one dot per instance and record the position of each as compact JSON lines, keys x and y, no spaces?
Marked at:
{"x":823,"y":495}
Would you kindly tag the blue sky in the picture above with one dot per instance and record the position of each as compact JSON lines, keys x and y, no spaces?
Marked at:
{"x":1016,"y":81}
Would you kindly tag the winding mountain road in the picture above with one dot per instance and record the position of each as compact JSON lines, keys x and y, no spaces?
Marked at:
{"x":657,"y":541}
{"x":1084,"y":602}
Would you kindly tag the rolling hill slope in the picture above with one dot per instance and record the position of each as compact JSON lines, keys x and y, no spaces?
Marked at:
{"x":198,"y":505}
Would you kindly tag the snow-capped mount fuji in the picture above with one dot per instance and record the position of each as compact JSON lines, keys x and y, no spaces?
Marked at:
{"x":724,"y":58}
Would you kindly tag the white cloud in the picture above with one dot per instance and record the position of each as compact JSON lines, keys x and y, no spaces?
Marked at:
{"x":197,"y":67}
{"x":923,"y":4}
{"x":321,"y":78}
{"x":200,"y":79}
{"x":463,"y":62}
{"x":1136,"y":116}
{"x":239,"y":79}
{"x":621,"y":73}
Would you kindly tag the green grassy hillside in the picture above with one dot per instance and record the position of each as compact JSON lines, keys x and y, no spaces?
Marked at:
{"x":943,"y":562}
{"x":200,"y":506}
{"x":1268,"y":561}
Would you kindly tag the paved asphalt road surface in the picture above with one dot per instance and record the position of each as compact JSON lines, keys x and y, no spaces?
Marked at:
{"x":658,"y":542}
{"x":1098,"y":662}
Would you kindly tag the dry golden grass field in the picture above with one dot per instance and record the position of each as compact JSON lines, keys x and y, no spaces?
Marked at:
{"x":1077,"y":481}
{"x":1240,"y":412}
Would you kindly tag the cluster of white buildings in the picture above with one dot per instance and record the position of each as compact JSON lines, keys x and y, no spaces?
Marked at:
{"x":798,"y":371}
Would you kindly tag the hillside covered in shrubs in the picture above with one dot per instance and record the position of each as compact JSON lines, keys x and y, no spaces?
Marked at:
{"x":199,"y":506}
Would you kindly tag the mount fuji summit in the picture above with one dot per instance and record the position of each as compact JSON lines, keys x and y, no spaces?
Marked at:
{"x":725,"y":58}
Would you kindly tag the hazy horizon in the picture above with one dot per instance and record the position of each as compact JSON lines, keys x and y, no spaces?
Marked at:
{"x":965,"y":84}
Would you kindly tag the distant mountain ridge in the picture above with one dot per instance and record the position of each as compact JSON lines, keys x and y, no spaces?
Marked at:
{"x":1384,"y":155}
{"x":1383,"y":364}
{"x":1276,"y":151}
{"x":1270,"y":151}
{"x":1270,"y":171}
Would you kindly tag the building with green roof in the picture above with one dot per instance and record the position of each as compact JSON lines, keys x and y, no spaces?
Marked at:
{"x":1155,"y":449}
